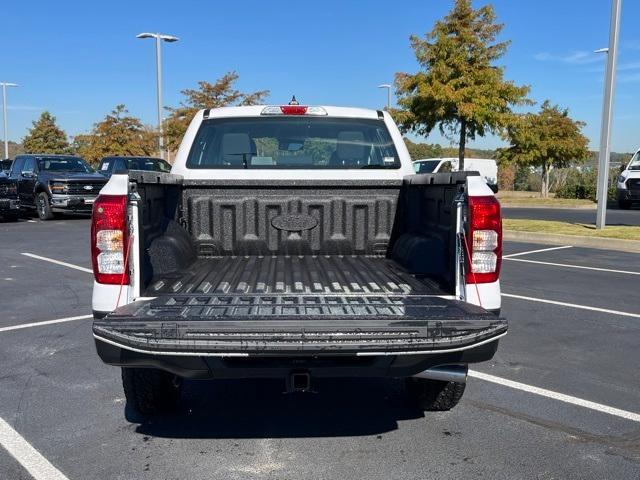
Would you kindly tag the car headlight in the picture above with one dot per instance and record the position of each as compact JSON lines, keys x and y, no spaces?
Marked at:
{"x":621,"y":179}
{"x":58,"y":187}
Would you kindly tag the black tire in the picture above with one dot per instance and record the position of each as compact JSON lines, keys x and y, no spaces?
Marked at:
{"x":434,"y":395}
{"x":624,"y":204}
{"x":43,"y":206}
{"x":149,"y":391}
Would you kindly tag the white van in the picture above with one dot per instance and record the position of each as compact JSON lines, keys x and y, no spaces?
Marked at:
{"x":487,"y":168}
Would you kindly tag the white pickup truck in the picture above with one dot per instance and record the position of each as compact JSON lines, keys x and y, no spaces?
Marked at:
{"x":295,"y":242}
{"x":628,"y":184}
{"x":487,"y":168}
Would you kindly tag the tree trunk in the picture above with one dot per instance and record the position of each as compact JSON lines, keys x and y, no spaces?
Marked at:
{"x":545,"y":180}
{"x":463,"y":144}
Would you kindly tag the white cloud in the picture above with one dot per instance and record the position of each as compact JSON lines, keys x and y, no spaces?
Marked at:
{"x":581,"y":57}
{"x":24,"y":108}
{"x":31,"y":108}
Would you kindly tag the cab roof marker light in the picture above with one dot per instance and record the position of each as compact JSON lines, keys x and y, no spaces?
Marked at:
{"x":293,"y":110}
{"x":271,"y":111}
{"x":316,"y":111}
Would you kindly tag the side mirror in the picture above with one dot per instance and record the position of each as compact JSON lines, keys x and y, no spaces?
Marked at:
{"x":623,"y":167}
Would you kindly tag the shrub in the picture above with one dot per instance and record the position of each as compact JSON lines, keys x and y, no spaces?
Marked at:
{"x":583,"y":185}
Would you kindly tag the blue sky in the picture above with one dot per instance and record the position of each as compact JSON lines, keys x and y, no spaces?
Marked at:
{"x":79,"y":59}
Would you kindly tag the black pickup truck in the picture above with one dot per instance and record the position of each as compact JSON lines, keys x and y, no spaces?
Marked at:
{"x":5,"y":165}
{"x":55,"y":183}
{"x":110,"y":165}
{"x":9,"y":203}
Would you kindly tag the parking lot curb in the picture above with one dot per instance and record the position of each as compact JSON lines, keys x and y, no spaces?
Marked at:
{"x":619,"y":245}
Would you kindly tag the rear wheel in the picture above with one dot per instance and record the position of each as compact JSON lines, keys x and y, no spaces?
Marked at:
{"x":624,"y":204}
{"x":434,"y":395}
{"x":43,"y":205}
{"x":149,"y":391}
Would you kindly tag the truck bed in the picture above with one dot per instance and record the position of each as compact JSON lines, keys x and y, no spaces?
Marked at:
{"x":308,"y":275}
{"x":297,"y":268}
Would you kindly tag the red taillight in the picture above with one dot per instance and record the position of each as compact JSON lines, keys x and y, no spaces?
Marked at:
{"x":293,"y":109}
{"x":110,"y":239}
{"x":484,"y":240}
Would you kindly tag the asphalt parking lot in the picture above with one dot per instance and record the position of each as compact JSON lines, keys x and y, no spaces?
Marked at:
{"x":561,"y":399}
{"x":615,"y":216}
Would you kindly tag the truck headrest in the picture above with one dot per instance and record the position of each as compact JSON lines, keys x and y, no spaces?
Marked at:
{"x":350,"y":146}
{"x":233,"y":146}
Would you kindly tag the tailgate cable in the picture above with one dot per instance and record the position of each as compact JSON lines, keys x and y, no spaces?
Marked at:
{"x":473,"y":275}
{"x":126,"y":266}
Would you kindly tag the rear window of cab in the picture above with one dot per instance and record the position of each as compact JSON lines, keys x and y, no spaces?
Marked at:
{"x":290,"y":142}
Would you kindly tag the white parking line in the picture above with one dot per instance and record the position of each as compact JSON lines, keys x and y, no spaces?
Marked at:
{"x":536,"y":251}
{"x":31,"y":460}
{"x":45,"y":322}
{"x":635,"y":417}
{"x":572,"y":305}
{"x":565,"y":265}
{"x":57,"y":262}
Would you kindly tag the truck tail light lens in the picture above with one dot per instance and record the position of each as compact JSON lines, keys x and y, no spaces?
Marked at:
{"x":110,"y":239}
{"x":485,"y":232}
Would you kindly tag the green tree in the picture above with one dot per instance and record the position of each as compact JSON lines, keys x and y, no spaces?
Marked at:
{"x":547,"y":139}
{"x":419,"y":151}
{"x":118,"y":134}
{"x":458,"y":88}
{"x":45,"y":136}
{"x":221,"y":93}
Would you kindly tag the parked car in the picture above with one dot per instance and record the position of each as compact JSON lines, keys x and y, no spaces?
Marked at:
{"x":295,"y":242}
{"x":487,"y":168}
{"x":628,"y":185}
{"x":109,"y":165}
{"x":9,"y":203}
{"x":55,"y":183}
{"x":5,"y":165}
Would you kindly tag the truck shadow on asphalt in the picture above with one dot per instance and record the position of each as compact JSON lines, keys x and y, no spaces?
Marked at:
{"x":260,"y":409}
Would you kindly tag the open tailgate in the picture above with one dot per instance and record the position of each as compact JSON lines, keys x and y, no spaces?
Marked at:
{"x":227,"y":325}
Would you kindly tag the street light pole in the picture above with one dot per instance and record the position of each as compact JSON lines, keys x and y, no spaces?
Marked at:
{"x":159,"y":37}
{"x":607,"y":114}
{"x":388,"y":87}
{"x":4,"y":116}
{"x":159,"y":94}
